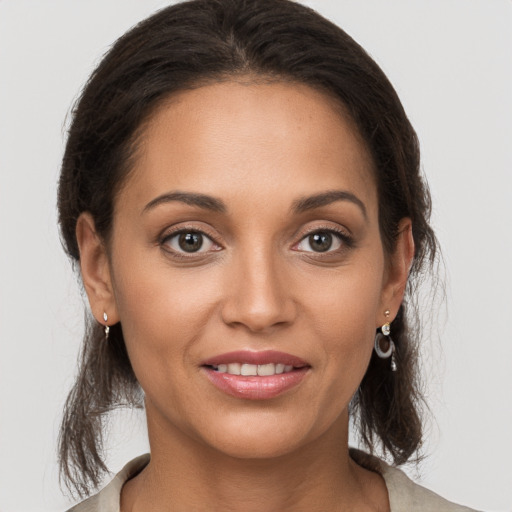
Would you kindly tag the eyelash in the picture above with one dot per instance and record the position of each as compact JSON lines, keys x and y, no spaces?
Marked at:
{"x":164,"y":240}
{"x":347,"y":242}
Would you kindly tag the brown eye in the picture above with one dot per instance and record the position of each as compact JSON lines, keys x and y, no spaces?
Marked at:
{"x":190,"y":242}
{"x":320,"y":241}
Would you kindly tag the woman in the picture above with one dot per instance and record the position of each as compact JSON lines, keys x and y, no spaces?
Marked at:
{"x":241,"y":190}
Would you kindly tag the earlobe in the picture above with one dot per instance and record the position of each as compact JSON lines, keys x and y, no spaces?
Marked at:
{"x":95,"y":270}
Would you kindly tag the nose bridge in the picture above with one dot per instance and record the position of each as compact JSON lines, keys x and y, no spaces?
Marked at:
{"x":259,"y":297}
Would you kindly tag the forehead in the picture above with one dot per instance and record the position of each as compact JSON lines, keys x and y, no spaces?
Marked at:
{"x":251,"y":140}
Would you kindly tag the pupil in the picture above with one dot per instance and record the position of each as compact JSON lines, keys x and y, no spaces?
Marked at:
{"x":320,"y":242}
{"x":190,"y":242}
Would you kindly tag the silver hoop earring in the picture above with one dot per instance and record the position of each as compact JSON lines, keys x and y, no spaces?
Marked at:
{"x":107,"y":328}
{"x":384,"y":336}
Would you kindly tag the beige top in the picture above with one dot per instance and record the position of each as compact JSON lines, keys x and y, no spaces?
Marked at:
{"x":404,"y":494}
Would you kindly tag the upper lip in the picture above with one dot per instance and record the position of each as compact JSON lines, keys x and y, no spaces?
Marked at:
{"x":252,"y":357}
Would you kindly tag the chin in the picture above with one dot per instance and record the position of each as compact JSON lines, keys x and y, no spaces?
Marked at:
{"x":261,"y":436}
{"x":256,"y":446}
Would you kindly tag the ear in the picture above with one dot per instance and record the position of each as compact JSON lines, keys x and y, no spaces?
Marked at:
{"x":95,"y":270}
{"x":399,"y":264}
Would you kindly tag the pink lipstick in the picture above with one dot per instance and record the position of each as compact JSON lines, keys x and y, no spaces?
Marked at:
{"x":255,"y":375}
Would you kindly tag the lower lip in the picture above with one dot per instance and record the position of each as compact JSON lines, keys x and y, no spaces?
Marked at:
{"x":253,"y":387}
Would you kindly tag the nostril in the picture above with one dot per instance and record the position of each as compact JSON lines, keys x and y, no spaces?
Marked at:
{"x":258,"y":318}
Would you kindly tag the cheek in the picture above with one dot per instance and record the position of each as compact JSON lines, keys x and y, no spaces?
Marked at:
{"x":348,"y":301}
{"x":162,"y":311}
{"x":343,"y":315}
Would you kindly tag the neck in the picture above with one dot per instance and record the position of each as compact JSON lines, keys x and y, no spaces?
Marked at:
{"x":185,"y":474}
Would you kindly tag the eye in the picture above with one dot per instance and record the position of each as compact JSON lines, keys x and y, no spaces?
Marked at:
{"x":190,"y":242}
{"x":321,"y":241}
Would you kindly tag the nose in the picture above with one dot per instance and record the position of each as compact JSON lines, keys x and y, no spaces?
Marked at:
{"x":259,"y":293}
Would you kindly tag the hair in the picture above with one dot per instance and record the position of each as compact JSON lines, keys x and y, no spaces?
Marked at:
{"x":203,"y":41}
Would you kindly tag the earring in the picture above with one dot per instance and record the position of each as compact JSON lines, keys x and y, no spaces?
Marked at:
{"x":384,"y":336}
{"x":107,"y":328}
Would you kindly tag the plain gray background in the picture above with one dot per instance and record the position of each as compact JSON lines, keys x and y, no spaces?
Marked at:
{"x":451,"y":63}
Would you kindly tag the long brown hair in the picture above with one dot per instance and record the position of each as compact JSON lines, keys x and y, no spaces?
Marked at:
{"x":201,"y":41}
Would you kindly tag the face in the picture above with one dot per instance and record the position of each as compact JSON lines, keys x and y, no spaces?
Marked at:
{"x":247,"y":268}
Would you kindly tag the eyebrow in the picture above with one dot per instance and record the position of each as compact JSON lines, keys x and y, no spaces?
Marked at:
{"x":191,"y":198}
{"x":304,"y":204}
{"x":300,"y":205}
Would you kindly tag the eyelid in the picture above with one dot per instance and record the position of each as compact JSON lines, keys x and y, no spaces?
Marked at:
{"x":342,"y":234}
{"x":346,"y":239}
{"x":168,"y":234}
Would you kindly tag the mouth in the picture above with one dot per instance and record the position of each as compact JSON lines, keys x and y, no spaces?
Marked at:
{"x":255,"y":375}
{"x":247,"y":369}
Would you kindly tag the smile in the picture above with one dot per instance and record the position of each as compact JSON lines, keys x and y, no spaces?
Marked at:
{"x":263,"y":370}
{"x":255,"y":375}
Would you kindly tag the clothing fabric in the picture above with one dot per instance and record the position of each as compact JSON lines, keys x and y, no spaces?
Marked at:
{"x":404,"y":494}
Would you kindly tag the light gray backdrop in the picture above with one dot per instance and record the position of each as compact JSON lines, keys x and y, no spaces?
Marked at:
{"x":450,"y":61}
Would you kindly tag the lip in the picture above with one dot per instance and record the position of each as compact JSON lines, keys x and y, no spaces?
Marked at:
{"x":256,"y":387}
{"x":251,"y":357}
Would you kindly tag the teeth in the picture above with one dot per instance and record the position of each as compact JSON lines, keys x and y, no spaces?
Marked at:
{"x":246,"y":369}
{"x":234,"y":368}
{"x":266,"y":369}
{"x":249,"y":369}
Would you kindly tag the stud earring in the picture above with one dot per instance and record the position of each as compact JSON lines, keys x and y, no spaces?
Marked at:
{"x":384,"y":337}
{"x":107,"y":328}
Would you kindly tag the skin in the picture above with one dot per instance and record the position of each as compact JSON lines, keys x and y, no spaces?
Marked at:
{"x":258,"y":285}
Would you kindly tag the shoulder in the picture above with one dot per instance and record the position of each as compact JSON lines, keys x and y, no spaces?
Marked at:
{"x":404,"y":494}
{"x":108,"y":499}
